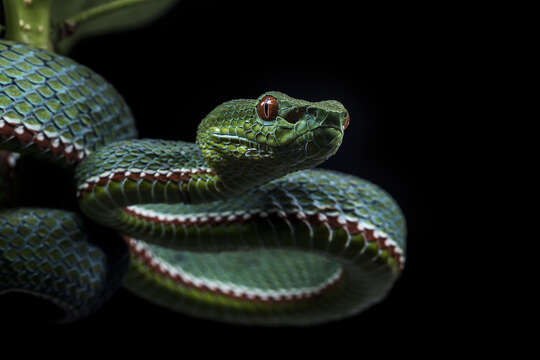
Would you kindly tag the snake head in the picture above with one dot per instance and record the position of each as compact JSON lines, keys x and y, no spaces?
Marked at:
{"x":271,"y":136}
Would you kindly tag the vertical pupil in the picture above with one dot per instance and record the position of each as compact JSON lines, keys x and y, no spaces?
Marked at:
{"x":266,"y":109}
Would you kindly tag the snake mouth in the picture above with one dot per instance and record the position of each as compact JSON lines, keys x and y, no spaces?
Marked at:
{"x":235,"y":139}
{"x":250,"y":145}
{"x":338,"y":129}
{"x":327,"y":139}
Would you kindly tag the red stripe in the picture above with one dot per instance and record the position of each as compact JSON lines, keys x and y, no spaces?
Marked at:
{"x":30,"y":137}
{"x":146,"y":257}
{"x":350,"y":226}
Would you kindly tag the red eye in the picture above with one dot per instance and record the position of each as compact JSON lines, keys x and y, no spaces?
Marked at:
{"x":267,"y":108}
{"x":347,"y":121}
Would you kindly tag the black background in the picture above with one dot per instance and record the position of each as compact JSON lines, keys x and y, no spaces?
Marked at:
{"x":367,"y":56}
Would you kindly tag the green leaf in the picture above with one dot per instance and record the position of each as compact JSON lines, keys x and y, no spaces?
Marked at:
{"x":77,"y":19}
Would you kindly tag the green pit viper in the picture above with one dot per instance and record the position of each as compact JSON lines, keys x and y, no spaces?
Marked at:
{"x":236,"y":227}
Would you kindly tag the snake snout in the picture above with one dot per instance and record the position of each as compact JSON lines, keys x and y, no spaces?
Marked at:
{"x":336,"y":120}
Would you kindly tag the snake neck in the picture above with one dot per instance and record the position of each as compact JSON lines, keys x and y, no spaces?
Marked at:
{"x":244,"y":175}
{"x":157,"y":171}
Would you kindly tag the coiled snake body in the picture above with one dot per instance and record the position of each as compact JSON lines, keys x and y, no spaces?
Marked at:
{"x":235,"y":227}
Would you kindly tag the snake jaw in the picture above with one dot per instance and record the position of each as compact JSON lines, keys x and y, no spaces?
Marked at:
{"x":245,"y":146}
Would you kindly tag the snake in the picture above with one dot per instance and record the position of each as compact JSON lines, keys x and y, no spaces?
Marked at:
{"x":240,"y":227}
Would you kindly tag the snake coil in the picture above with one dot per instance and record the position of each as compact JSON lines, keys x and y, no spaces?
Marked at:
{"x":236,"y":227}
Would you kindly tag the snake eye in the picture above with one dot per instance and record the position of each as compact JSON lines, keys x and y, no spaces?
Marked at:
{"x":267,"y":108}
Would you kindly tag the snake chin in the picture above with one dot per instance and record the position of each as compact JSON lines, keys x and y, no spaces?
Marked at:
{"x":327,"y":139}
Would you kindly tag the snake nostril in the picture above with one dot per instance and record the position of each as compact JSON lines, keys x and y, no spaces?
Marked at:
{"x":347,"y":121}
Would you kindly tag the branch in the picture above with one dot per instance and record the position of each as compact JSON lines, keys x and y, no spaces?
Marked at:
{"x":28,"y":22}
{"x":73,"y":22}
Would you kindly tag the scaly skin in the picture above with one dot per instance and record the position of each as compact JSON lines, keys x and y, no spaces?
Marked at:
{"x":234,"y":227}
{"x":56,"y":110}
{"x":47,"y":253}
